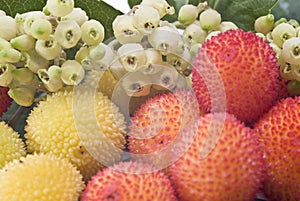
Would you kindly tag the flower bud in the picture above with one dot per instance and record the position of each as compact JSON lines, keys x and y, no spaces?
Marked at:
{"x":10,"y":55}
{"x":22,"y":96}
{"x":293,"y":88}
{"x":166,"y":78}
{"x":180,"y":62}
{"x":166,"y":40}
{"x":280,"y":21}
{"x":92,"y":32}
{"x":294,"y":23}
{"x":34,"y":61}
{"x":97,"y":52}
{"x":2,"y":13}
{"x":23,"y":42}
{"x":264,"y":24}
{"x":187,"y":14}
{"x":82,"y":53}
{"x":132,"y":56}
{"x":6,"y":74}
{"x":72,"y":72}
{"x":212,"y":34}
{"x":41,"y":29}
{"x":67,"y":33}
{"x":146,"y":19}
{"x":60,"y":8}
{"x":124,"y":30}
{"x":227,"y":25}
{"x":22,"y":75}
{"x":291,"y":50}
{"x":282,"y":32}
{"x":210,"y":19}
{"x":29,"y":18}
{"x":161,"y":6}
{"x":48,"y":49}
{"x":8,"y":28}
{"x":78,"y":15}
{"x":136,"y":84}
{"x":154,"y":62}
{"x":51,"y":78}
{"x":194,"y":34}
{"x":4,"y":44}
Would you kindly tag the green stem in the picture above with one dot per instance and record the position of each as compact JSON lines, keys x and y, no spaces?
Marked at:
{"x":16,"y":116}
{"x":216,"y":4}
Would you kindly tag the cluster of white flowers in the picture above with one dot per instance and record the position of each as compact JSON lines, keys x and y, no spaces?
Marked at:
{"x":33,"y":48}
{"x":284,"y":37}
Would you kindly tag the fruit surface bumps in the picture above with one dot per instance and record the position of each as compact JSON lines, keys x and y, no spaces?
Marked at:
{"x":232,"y":170}
{"x":5,"y":100}
{"x":279,"y":133}
{"x":56,"y":125}
{"x":247,"y":67}
{"x":11,"y":145}
{"x":129,"y":181}
{"x":40,"y":177}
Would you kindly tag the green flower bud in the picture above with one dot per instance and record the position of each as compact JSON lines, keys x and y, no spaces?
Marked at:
{"x":8,"y":27}
{"x":22,"y":96}
{"x":210,"y":19}
{"x":92,"y":32}
{"x":293,"y":88}
{"x":72,"y":72}
{"x":10,"y":55}
{"x":23,"y":42}
{"x":34,"y":61}
{"x":67,"y":33}
{"x":291,"y":50}
{"x":281,"y":20}
{"x":6,"y":74}
{"x":282,"y":32}
{"x":22,"y":75}
{"x":97,"y":52}
{"x":294,"y":23}
{"x":78,"y":15}
{"x":264,"y":24}
{"x":41,"y":29}
{"x":48,"y":49}
{"x":60,"y":8}
{"x":188,"y":14}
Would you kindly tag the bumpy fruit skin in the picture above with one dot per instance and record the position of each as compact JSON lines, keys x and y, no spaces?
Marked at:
{"x":232,"y":170}
{"x":247,"y":66}
{"x":279,"y":134}
{"x":5,"y":100}
{"x":129,"y":181}
{"x":51,"y":128}
{"x":160,"y":119}
{"x":40,"y":177}
{"x":11,"y":146}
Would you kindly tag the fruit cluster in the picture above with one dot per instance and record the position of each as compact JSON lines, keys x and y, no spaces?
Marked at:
{"x":210,"y":120}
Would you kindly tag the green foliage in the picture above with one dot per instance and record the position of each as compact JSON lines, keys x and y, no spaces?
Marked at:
{"x":244,"y":12}
{"x":288,"y":9}
{"x":95,"y":9}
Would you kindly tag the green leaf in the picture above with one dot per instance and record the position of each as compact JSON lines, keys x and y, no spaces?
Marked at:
{"x":243,"y":12}
{"x":288,"y":9}
{"x":134,"y":2}
{"x":95,"y":9}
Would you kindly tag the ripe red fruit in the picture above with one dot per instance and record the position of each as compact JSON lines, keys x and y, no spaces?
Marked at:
{"x":129,"y":181}
{"x":232,"y":170}
{"x":247,"y":67}
{"x":279,"y":132}
{"x":5,"y":100}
